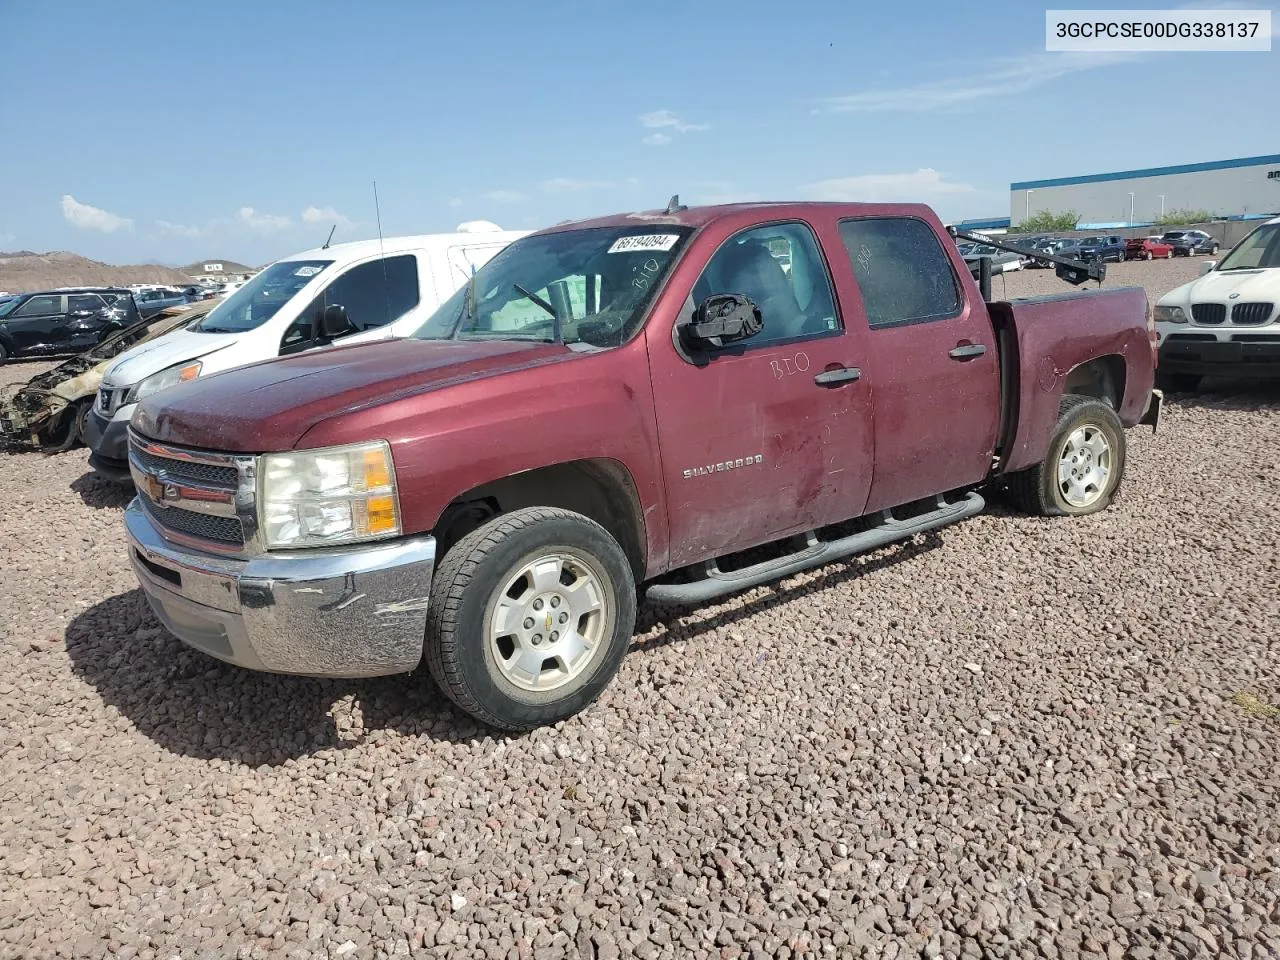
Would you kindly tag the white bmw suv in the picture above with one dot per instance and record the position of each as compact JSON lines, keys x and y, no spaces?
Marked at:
{"x":1227,"y":322}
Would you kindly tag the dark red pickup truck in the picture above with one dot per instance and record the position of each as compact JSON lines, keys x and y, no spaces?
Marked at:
{"x":640,"y":399}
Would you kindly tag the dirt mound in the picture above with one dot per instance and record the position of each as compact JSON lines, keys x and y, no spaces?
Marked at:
{"x":25,"y":271}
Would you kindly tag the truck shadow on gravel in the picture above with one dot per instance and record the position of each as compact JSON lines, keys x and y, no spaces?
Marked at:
{"x":193,"y":705}
{"x":101,"y":493}
{"x":679,"y":629}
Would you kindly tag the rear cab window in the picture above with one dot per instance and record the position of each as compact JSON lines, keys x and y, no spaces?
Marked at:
{"x":902,"y":270}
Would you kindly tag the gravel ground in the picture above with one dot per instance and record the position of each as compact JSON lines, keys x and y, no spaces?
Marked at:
{"x":1014,"y":737}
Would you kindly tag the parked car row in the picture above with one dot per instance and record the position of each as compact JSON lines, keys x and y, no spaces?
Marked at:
{"x":1116,"y":249}
{"x":467,"y":451}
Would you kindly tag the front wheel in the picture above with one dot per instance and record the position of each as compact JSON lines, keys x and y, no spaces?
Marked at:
{"x":1169,"y":255}
{"x":530,"y":617}
{"x":1084,"y":465}
{"x":1147,"y":255}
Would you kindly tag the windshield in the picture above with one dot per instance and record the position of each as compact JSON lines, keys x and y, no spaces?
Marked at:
{"x":594,"y":284}
{"x":1259,"y":250}
{"x":258,"y":300}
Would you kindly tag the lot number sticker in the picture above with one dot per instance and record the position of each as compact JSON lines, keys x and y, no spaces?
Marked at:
{"x":647,"y":241}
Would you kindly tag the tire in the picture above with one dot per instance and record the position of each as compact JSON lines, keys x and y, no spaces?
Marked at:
{"x":1169,"y":255}
{"x":1178,"y":382}
{"x":476,"y":666}
{"x":69,"y":429}
{"x":1039,"y":490}
{"x":4,"y":353}
{"x":1213,"y":251}
{"x":1146,"y":255}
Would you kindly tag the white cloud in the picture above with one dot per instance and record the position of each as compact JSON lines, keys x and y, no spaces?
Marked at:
{"x":264,"y":222}
{"x":503,"y":196}
{"x":656,"y":140}
{"x":7,"y":238}
{"x":1002,"y":79}
{"x":887,"y":187}
{"x":455,"y":202}
{"x":92,"y":218}
{"x":177,"y":229}
{"x":325,"y":215}
{"x":569,"y":185}
{"x":662,"y":119}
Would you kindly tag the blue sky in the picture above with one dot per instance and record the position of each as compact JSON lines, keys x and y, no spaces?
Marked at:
{"x":176,"y":131}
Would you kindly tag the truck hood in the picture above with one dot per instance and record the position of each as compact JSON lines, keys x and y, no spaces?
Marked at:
{"x":268,"y":406}
{"x":1217,"y":287}
{"x":177,"y":346}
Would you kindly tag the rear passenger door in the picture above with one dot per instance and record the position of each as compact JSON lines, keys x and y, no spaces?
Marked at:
{"x":935,"y":379}
{"x":375,"y":293}
{"x":85,"y":320}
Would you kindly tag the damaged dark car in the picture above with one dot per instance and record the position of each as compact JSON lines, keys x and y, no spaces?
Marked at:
{"x":48,"y":411}
{"x":63,"y":321}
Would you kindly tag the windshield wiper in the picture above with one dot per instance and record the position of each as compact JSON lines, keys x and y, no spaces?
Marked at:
{"x":534,"y":298}
{"x":217,"y":330}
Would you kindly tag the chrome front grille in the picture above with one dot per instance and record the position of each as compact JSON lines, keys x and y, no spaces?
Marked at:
{"x":198,"y":471}
{"x":1208,"y":313}
{"x":1251,"y":314}
{"x":196,"y":497}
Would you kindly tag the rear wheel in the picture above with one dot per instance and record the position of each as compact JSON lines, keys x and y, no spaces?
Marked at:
{"x":1146,"y":255}
{"x":66,"y":433}
{"x":530,"y":617}
{"x":1084,"y":466}
{"x":4,"y":353}
{"x":1169,"y":255}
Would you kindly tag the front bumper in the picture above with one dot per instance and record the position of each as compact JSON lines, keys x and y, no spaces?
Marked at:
{"x":359,"y":611}
{"x":1227,"y":358}
{"x":108,"y":443}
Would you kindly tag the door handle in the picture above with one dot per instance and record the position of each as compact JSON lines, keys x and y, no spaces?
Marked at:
{"x":967,"y":351}
{"x":833,"y":378}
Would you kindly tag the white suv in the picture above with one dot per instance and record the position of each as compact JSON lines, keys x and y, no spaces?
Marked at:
{"x":1226,"y":323}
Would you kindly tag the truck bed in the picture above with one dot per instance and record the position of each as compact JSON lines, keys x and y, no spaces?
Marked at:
{"x":1065,"y":331}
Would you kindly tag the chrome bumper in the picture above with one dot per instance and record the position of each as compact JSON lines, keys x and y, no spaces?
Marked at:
{"x":359,"y":611}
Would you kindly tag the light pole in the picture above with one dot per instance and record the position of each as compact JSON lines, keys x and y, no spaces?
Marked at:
{"x":1028,"y":216}
{"x":1131,"y":208}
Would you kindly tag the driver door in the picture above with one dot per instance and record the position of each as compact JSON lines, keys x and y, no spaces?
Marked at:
{"x":771,"y":436}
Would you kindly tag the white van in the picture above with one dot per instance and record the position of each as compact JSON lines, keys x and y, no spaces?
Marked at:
{"x":389,"y":287}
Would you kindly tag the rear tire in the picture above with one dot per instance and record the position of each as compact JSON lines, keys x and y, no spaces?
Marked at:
{"x":1084,"y":466}
{"x":4,"y":353}
{"x":501,"y":591}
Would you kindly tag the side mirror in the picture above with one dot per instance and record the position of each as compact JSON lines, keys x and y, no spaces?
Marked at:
{"x":721,"y":319}
{"x":1207,"y":266}
{"x":331,"y":323}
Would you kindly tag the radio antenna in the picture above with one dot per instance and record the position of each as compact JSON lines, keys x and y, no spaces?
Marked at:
{"x":329,"y":239}
{"x":386,"y":283}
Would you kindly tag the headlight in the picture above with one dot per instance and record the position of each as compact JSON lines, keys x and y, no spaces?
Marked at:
{"x":1170,"y":315}
{"x":163,"y":380}
{"x":314,"y":498}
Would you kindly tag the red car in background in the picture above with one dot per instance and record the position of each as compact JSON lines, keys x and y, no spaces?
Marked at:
{"x":1147,"y":248}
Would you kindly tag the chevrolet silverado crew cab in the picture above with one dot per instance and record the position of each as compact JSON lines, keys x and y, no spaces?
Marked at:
{"x":1227,"y":322}
{"x":647,"y":398}
{"x":388,"y":286}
